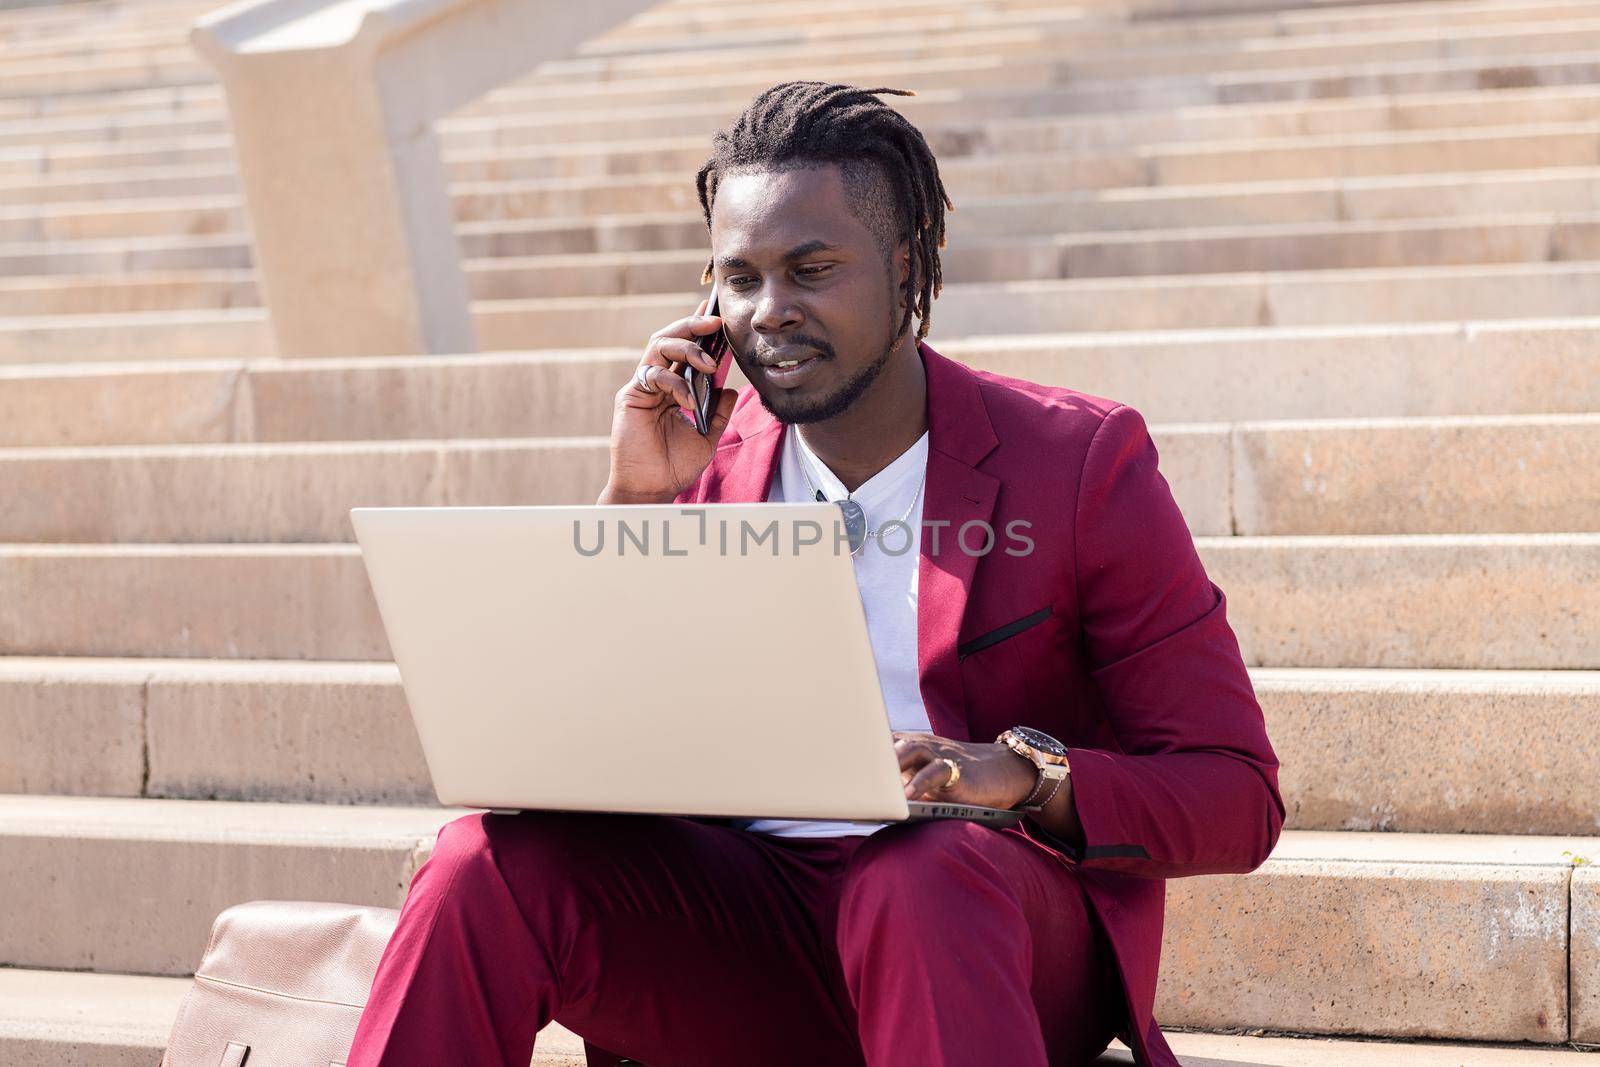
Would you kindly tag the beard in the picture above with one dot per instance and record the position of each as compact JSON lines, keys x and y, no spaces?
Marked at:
{"x":790,"y":410}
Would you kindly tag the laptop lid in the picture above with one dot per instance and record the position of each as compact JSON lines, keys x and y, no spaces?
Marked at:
{"x":705,"y":660}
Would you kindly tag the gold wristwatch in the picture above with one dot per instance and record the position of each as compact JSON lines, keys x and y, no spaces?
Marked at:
{"x":1045,"y":753}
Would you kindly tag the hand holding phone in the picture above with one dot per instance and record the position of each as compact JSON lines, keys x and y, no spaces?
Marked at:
{"x":655,"y":454}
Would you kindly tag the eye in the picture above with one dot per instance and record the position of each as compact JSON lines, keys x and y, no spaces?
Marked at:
{"x":744,"y":281}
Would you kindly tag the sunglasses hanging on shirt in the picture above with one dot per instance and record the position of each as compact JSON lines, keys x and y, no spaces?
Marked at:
{"x":855,"y":516}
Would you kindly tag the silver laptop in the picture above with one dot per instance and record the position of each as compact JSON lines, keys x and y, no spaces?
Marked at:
{"x":656,"y":659}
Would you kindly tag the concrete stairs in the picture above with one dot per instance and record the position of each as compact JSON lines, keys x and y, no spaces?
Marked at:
{"x":1345,"y":258}
{"x":103,"y":1020}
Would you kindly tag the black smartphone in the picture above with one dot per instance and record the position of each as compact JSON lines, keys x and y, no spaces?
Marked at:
{"x":707,"y":387}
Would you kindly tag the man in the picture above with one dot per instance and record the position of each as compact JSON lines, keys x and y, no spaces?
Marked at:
{"x":676,"y":941}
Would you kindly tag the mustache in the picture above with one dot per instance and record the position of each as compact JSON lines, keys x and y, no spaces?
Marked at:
{"x":762,"y":350}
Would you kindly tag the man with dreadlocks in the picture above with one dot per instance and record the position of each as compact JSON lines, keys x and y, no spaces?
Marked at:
{"x":688,"y":942}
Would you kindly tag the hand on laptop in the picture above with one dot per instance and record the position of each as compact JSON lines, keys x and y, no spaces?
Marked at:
{"x":991,"y":774}
{"x":655,"y":452}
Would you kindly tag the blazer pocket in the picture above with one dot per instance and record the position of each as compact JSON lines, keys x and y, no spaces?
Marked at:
{"x":1000,"y":633}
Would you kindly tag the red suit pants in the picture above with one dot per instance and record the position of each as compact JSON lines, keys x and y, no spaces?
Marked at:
{"x":681,"y":943}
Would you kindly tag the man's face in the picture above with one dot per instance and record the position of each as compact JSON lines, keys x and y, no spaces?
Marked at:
{"x":801,"y":278}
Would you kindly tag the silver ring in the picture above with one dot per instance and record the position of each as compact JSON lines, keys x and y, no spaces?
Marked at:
{"x":641,"y":378}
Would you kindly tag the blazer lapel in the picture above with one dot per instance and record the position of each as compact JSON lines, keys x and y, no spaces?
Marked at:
{"x":960,"y":435}
{"x":751,"y":464}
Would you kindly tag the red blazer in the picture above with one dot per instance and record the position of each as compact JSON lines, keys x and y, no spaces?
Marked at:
{"x":1108,"y":635}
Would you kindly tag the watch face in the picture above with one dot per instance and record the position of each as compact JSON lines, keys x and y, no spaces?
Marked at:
{"x":1040,"y":740}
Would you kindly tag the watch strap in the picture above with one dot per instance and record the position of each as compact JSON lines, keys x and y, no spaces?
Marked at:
{"x":1034,"y":808}
{"x":1027,"y":801}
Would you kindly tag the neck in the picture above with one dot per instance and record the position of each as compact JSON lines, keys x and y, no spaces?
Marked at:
{"x":883,"y":422}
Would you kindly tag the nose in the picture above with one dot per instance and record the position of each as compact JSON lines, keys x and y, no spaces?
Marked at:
{"x":774,"y":312}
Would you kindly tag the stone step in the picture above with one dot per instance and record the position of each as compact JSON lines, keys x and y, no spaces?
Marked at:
{"x":112,"y":44}
{"x":1505,"y":41}
{"x":478,"y":194}
{"x":1360,"y":749}
{"x":1418,"y":599}
{"x":1063,"y":57}
{"x":1471,"y":240}
{"x":881,"y":20}
{"x":64,"y":35}
{"x":1376,"y":601}
{"x":1347,"y":155}
{"x":967,"y":88}
{"x":1231,"y":1050}
{"x":1046,"y":59}
{"x":510,"y":125}
{"x":93,"y":294}
{"x":102,"y":224}
{"x":1180,"y":376}
{"x":1369,"y":199}
{"x":1482,"y":474}
{"x":705,"y":23}
{"x":1154,"y":303}
{"x":965,"y":72}
{"x":613,"y":59}
{"x":84,"y":22}
{"x":949,"y":135}
{"x":296,"y":493}
{"x":1390,"y":934}
{"x":1413,"y":894}
{"x":1106,"y":60}
{"x":139,"y":255}
{"x":156,"y":335}
{"x":33,"y":21}
{"x":114,"y":1020}
{"x":1414,"y":76}
{"x":1065,"y":31}
{"x":136,"y":184}
{"x":150,"y":875}
{"x":158,"y":124}
{"x":49,"y":1018}
{"x":513,"y":185}
{"x":122,"y":63}
{"x":160,"y":98}
{"x":174,"y":65}
{"x":1012,"y":122}
{"x":181,"y":66}
{"x":1180,"y":302}
{"x":1387,"y":243}
{"x":615,"y":49}
{"x":78,"y":156}
{"x":1484,"y":149}
{"x":1299,"y":298}
{"x":122,"y":237}
{"x":1351,"y":745}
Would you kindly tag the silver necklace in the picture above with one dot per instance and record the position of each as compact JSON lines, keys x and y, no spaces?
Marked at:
{"x":855,"y":516}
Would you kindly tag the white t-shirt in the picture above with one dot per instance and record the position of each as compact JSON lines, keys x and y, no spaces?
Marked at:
{"x":887,"y":577}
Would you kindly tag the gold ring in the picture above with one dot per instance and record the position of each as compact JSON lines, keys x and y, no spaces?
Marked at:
{"x":955,"y":772}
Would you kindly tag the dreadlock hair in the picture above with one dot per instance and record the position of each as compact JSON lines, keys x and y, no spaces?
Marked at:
{"x":889,"y":172}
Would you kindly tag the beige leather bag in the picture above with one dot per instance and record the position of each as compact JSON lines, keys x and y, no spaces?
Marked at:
{"x":282,"y":984}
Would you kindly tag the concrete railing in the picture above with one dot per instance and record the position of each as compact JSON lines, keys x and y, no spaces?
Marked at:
{"x":332,"y":104}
